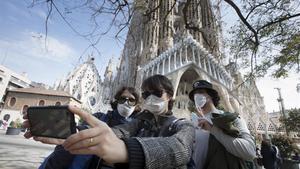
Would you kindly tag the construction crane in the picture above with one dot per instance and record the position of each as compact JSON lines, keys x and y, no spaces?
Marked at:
{"x":281,"y":108}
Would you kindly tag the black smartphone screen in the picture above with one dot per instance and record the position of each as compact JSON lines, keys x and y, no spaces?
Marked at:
{"x":51,"y":121}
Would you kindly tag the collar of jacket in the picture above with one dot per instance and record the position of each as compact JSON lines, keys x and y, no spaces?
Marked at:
{"x":115,"y":118}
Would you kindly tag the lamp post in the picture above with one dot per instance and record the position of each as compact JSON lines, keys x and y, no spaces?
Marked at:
{"x":281,"y":106}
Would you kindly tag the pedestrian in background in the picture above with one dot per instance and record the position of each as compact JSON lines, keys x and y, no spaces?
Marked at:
{"x":268,"y":154}
{"x":258,"y":159}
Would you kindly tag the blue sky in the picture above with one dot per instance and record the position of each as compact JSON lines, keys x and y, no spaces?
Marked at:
{"x":22,"y":42}
{"x":22,"y":47}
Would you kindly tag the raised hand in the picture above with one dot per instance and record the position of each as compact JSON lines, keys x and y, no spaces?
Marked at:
{"x":99,"y":140}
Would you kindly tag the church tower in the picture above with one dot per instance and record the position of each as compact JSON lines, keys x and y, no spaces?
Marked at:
{"x":181,"y":40}
{"x":166,"y":15}
{"x":157,"y":26}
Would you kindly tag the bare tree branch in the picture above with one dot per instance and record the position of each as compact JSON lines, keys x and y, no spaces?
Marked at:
{"x":243,"y":19}
{"x":282,"y":19}
{"x":46,"y":22}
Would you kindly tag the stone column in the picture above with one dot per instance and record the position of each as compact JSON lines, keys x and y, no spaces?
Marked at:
{"x":186,"y":53}
{"x":169,"y":65}
{"x":152,"y":73}
{"x":180,"y":56}
{"x":204,"y":64}
{"x":175,"y":66}
{"x":193,"y":53}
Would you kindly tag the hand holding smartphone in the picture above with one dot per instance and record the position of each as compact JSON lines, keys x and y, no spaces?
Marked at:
{"x":51,"y":121}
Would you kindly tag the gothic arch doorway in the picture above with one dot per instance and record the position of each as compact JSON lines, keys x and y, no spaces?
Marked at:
{"x":182,"y":102}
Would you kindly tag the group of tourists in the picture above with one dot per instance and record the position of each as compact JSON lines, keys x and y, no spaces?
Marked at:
{"x":144,"y":133}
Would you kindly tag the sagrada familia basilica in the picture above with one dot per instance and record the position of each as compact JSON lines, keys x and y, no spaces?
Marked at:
{"x":159,"y":43}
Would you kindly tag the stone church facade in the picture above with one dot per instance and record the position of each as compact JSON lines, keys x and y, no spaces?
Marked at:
{"x":159,"y":43}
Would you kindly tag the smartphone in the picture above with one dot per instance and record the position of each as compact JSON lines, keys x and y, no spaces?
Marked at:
{"x":51,"y":121}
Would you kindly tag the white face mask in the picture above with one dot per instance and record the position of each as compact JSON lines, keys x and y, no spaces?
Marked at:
{"x":155,"y":105}
{"x":125,"y":110}
{"x":200,"y":100}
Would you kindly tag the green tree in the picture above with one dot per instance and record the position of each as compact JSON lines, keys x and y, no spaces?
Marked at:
{"x":267,"y":36}
{"x":292,"y":122}
{"x":285,"y":145}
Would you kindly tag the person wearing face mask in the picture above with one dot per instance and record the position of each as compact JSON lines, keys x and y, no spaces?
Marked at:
{"x":222,"y":138}
{"x":155,"y":139}
{"x":124,"y":106}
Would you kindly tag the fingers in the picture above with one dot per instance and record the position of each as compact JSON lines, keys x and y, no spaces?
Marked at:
{"x":26,"y":124}
{"x":89,"y":150}
{"x":200,"y":123}
{"x":83,"y":144}
{"x":27,"y":134}
{"x":82,"y":135}
{"x":204,"y":124}
{"x":199,"y":111}
{"x":90,"y":119}
{"x":47,"y":140}
{"x":25,"y":117}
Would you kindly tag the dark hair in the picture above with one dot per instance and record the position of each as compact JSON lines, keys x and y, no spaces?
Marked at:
{"x":131,"y":90}
{"x":214,"y":96}
{"x":159,"y":82}
{"x":266,"y":143}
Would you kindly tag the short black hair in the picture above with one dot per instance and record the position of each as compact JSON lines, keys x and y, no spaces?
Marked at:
{"x":131,"y":90}
{"x":159,"y":82}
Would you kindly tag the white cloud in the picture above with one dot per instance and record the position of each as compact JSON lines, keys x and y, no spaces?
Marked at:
{"x":33,"y":45}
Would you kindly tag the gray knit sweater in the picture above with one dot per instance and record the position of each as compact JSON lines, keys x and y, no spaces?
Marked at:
{"x":150,"y":146}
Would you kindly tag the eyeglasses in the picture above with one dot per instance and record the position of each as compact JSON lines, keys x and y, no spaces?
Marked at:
{"x":157,"y":93}
{"x":130,"y":101}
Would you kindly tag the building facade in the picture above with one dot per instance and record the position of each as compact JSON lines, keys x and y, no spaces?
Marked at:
{"x":18,"y":100}
{"x":11,"y":80}
{"x":181,"y":41}
{"x":85,"y":84}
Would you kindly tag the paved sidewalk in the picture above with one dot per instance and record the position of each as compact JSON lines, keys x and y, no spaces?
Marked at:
{"x":16,"y":152}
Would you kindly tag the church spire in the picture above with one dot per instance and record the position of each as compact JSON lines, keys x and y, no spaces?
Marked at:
{"x":109,"y":70}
